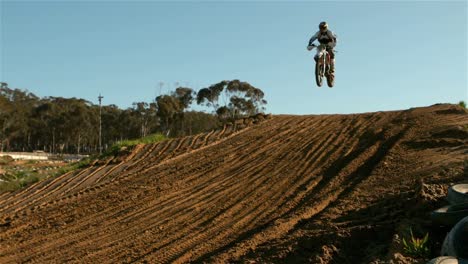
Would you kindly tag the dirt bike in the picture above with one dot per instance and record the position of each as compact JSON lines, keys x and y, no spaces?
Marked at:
{"x":323,"y":67}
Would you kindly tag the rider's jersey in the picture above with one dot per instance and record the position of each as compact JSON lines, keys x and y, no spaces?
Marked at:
{"x":323,"y":37}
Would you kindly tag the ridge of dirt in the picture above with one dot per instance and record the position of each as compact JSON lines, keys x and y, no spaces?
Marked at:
{"x":317,"y":189}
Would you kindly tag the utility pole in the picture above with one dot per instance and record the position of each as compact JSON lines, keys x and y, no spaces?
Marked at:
{"x":161,"y":84}
{"x":100,"y":127}
{"x":53,"y":140}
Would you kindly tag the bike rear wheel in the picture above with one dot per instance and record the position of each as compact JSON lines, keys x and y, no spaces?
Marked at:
{"x":330,"y":79}
{"x":318,"y":74}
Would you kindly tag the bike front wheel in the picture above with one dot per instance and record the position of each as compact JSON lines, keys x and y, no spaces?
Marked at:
{"x":318,"y":74}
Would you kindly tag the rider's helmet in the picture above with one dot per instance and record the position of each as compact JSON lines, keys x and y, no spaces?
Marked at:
{"x":323,"y":26}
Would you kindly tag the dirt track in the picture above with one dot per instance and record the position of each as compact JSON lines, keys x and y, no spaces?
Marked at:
{"x":319,"y":188}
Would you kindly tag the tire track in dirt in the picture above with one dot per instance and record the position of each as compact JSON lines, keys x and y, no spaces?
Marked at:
{"x":167,"y":151}
{"x":150,"y":152}
{"x":179,"y":147}
{"x":32,"y":195}
{"x":90,"y":179}
{"x":318,"y":157}
{"x":184,"y":141}
{"x":138,"y":149}
{"x":321,"y":200}
{"x":183,"y":259}
{"x":221,"y":133}
{"x":247,"y":202}
{"x":217,"y":199}
{"x":306,"y":166}
{"x":193,"y":140}
{"x":143,"y":151}
{"x":6,"y":197}
{"x":363,"y":172}
{"x":37,"y":187}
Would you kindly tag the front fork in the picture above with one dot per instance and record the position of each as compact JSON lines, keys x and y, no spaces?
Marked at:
{"x":324,"y":61}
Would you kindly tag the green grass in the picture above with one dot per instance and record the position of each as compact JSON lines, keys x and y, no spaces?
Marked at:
{"x":153,"y":138}
{"x":18,"y":180}
{"x":15,"y":179}
{"x":5,"y":160}
{"x":115,"y":149}
{"x":74,"y":166}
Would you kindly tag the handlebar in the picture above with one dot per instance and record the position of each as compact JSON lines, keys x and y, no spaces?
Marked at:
{"x":312,"y":46}
{"x":315,"y":46}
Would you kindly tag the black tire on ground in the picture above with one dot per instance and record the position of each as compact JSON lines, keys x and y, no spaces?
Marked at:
{"x":450,"y":215}
{"x":458,"y":193}
{"x":456,"y":241}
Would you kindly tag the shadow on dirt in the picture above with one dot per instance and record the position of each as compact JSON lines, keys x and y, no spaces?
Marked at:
{"x":367,"y":234}
{"x":446,"y":137}
{"x":451,"y":111}
{"x":353,"y":247}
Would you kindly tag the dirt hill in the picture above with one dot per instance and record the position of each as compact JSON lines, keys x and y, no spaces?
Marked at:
{"x":317,"y":188}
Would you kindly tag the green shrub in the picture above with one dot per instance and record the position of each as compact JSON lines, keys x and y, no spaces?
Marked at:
{"x":63,"y":170}
{"x":83,"y":163}
{"x":416,"y":247}
{"x":20,"y":174}
{"x":9,"y":186}
{"x":18,"y":183}
{"x":13,"y":180}
{"x":462,"y":104}
{"x":30,"y":179}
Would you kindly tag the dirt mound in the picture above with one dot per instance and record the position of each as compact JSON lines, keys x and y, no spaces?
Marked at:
{"x":318,"y":188}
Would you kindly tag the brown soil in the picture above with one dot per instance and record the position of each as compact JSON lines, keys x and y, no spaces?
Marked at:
{"x":317,"y":189}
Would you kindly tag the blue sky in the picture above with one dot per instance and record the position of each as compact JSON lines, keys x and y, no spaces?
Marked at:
{"x":391,"y":55}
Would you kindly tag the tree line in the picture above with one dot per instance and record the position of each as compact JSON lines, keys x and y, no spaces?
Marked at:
{"x":71,"y":125}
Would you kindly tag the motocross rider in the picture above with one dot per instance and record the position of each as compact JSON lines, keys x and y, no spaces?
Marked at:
{"x":327,"y":38}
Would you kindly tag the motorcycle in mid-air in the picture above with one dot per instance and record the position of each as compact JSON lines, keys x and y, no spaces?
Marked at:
{"x":323,"y":67}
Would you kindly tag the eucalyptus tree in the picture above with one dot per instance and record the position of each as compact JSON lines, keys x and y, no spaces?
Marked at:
{"x":146,"y":115}
{"x":168,"y":107}
{"x":210,"y":96}
{"x":238,"y":99}
{"x":15,"y":110}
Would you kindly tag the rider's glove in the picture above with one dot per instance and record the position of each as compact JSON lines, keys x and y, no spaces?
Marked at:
{"x":310,"y":47}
